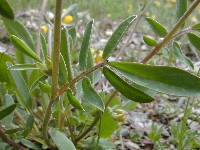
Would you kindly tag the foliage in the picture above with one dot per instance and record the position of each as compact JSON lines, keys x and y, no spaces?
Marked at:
{"x":56,"y":104}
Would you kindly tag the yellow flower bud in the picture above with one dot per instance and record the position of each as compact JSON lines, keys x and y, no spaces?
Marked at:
{"x":67,"y":19}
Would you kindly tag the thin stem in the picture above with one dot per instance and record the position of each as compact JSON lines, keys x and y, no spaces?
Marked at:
{"x":139,"y":16}
{"x":169,"y":36}
{"x":39,"y":27}
{"x":96,"y":119}
{"x":55,"y":57}
{"x":76,"y":79}
{"x":10,"y":141}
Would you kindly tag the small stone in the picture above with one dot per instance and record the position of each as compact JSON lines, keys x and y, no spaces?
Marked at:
{"x":132,"y":146}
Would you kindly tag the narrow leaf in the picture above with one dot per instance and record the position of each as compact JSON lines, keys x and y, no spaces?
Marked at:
{"x":61,"y":140}
{"x":6,"y":10}
{"x":196,"y":27}
{"x":73,"y":100}
{"x":181,"y":8}
{"x":90,"y":64}
{"x":65,"y":49}
{"x":3,"y":68}
{"x":6,"y":111}
{"x":85,"y":45}
{"x":149,"y":41}
{"x":7,"y":101}
{"x":23,"y":48}
{"x":117,"y":36}
{"x":43,"y":46}
{"x":16,"y":28}
{"x":44,"y":87}
{"x":42,"y":78}
{"x":69,"y":9}
{"x":165,"y":52}
{"x":62,"y":70}
{"x":180,"y":56}
{"x":21,"y":87}
{"x":23,"y":67}
{"x":169,"y":80}
{"x":30,"y":122}
{"x":194,"y":40}
{"x":72,"y":32}
{"x":29,"y":144}
{"x":91,"y":95}
{"x":156,"y":27}
{"x":126,"y":89}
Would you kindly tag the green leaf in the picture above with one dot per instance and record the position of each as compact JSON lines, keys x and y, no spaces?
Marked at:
{"x":73,"y":100}
{"x":72,"y":32}
{"x":29,"y":144}
{"x":43,"y":46}
{"x":14,"y":27}
{"x":194,"y":40}
{"x":11,"y":131}
{"x":156,"y":27}
{"x":44,"y":87}
{"x":165,"y":52}
{"x":196,"y":27}
{"x":6,"y":111}
{"x":21,"y":87}
{"x":42,"y":78}
{"x":129,"y":106}
{"x":107,"y":120}
{"x":91,"y":95}
{"x":6,"y":10}
{"x":23,"y":48}
{"x":169,"y":80}
{"x":7,"y":101}
{"x":23,"y":67}
{"x":126,"y":89}
{"x":180,"y":56}
{"x":90,"y":64}
{"x":69,"y":9}
{"x":85,"y":45}
{"x":3,"y":68}
{"x":181,"y":8}
{"x":104,"y":144}
{"x":62,"y":70}
{"x":149,"y":41}
{"x":117,"y":36}
{"x":61,"y":140}
{"x":65,"y":51}
{"x":30,"y":122}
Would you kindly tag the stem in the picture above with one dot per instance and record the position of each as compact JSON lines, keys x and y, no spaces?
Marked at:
{"x":76,"y":79}
{"x":39,"y":27}
{"x":139,"y":16}
{"x":10,"y":141}
{"x":171,"y":33}
{"x":96,"y":119}
{"x":56,"y":56}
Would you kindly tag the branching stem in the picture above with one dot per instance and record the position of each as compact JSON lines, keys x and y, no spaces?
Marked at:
{"x":169,"y":36}
{"x":55,"y":58}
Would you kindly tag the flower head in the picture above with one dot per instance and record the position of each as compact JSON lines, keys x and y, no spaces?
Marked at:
{"x":67,"y":19}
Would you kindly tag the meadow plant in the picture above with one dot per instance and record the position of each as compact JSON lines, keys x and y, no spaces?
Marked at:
{"x":50,"y":102}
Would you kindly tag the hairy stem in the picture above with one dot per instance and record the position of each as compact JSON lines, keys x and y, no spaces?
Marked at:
{"x":10,"y":141}
{"x":169,"y":36}
{"x":55,"y":58}
{"x":76,"y":79}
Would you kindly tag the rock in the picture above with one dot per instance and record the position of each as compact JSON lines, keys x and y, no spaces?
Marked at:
{"x":132,"y":146}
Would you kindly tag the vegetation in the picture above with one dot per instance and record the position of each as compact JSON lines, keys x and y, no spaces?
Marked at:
{"x":49,"y":98}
